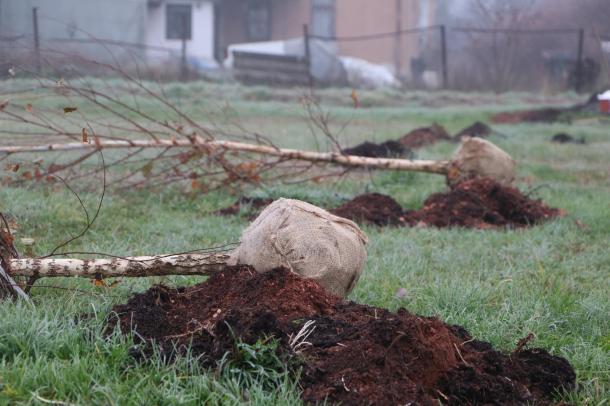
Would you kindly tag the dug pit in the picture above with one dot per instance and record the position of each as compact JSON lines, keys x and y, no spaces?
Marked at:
{"x":354,"y":354}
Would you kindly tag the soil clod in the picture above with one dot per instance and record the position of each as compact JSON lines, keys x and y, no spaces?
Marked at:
{"x":563,"y":138}
{"x":354,"y":354}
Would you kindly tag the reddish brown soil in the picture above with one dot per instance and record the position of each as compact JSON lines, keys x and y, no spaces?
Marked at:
{"x":372,"y":208}
{"x":477,"y":129}
{"x":253,"y":204}
{"x":388,"y":149}
{"x":546,"y":115}
{"x":356,"y":354}
{"x":425,"y":136}
{"x":482,"y":203}
{"x":476,"y":203}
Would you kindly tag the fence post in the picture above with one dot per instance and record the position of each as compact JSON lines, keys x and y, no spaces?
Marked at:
{"x":398,"y":40}
{"x":183,"y":65}
{"x":443,"y":33}
{"x":307,"y":54}
{"x":36,"y":39}
{"x":579,"y":61}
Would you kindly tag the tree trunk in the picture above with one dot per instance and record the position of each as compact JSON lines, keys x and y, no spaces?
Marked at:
{"x":440,"y":167}
{"x":158,"y":265}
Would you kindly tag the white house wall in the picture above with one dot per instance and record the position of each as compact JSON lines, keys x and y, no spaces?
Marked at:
{"x":201,"y":45}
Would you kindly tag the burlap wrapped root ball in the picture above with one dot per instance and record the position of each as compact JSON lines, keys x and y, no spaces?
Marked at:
{"x":309,"y":241}
{"x":480,"y":158}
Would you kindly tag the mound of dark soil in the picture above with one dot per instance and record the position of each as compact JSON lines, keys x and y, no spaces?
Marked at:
{"x":388,"y":149}
{"x":425,"y":136}
{"x":354,"y":354}
{"x":373,"y":208}
{"x":482,"y":203}
{"x":477,"y":129}
{"x":253,"y":204}
{"x":476,"y":203}
{"x":545,"y":115}
{"x":563,"y":138}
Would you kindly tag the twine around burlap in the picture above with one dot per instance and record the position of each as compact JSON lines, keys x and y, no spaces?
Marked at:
{"x":307,"y":240}
{"x":481,"y":158}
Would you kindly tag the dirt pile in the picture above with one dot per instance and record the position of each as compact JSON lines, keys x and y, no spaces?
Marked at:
{"x":477,"y":129}
{"x":354,"y":354}
{"x":388,"y":149}
{"x":244,"y":204}
{"x":482,"y":203}
{"x":545,"y":115}
{"x":373,"y":208}
{"x":425,"y":136}
{"x":475,"y":203}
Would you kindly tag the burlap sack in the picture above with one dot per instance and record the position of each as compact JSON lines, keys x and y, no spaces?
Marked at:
{"x":480,"y":158}
{"x":307,"y":240}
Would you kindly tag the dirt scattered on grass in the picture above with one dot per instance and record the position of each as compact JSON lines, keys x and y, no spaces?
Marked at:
{"x":355,"y":354}
{"x":563,"y":138}
{"x":545,"y":115}
{"x":477,"y":129}
{"x":388,"y":149}
{"x":475,"y":203}
{"x":425,"y":136}
{"x":244,"y":203}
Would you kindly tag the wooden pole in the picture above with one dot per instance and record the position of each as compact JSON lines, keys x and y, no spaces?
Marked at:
{"x":36,"y":39}
{"x":183,"y":65}
{"x":579,"y":61}
{"x":398,"y":40}
{"x":307,"y":54}
{"x":445,"y":69}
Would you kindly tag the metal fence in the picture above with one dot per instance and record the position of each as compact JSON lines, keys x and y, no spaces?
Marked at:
{"x":463,"y":58}
{"x":471,"y":58}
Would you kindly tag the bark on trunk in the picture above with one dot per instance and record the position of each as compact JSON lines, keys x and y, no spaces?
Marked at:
{"x":440,"y":167}
{"x":188,"y":264}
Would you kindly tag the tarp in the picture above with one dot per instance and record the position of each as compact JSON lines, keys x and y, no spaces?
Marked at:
{"x":326,"y":67}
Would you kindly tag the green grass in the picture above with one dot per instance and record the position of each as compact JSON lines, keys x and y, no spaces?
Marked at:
{"x":552,"y":280}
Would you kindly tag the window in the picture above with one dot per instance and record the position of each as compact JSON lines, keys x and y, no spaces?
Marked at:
{"x":259,"y":20}
{"x":178,"y":23}
{"x":323,"y":18}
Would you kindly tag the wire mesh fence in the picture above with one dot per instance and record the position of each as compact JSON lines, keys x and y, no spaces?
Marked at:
{"x":471,"y":58}
{"x":432,"y":57}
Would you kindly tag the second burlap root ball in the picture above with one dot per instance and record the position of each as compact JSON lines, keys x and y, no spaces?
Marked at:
{"x":480,"y":158}
{"x":307,"y":240}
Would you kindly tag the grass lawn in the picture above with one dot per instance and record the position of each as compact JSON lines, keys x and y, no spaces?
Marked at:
{"x":552,"y":280}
